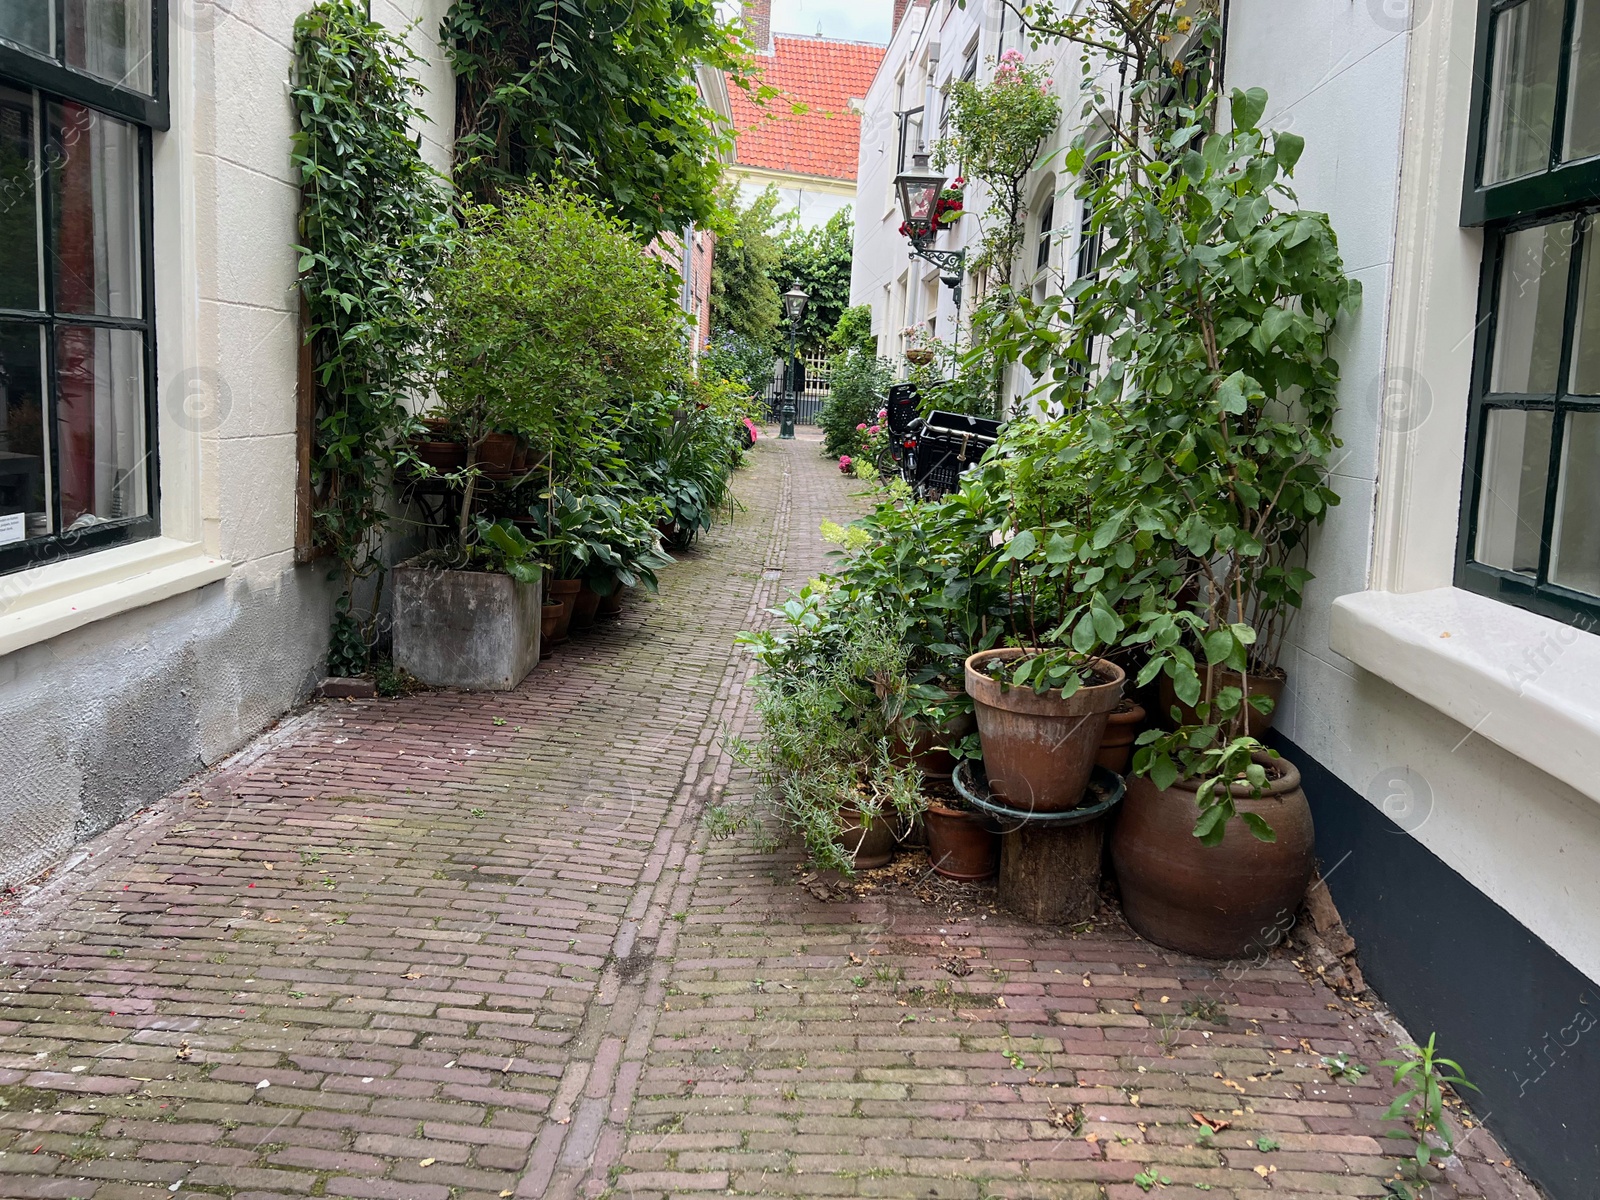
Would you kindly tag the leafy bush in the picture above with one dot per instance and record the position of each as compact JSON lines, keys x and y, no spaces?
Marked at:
{"x":549,"y":313}
{"x":734,"y":357}
{"x":855,"y":395}
{"x":819,"y":261}
{"x":854,"y":332}
{"x":607,"y":541}
{"x":684,"y":453}
{"x":825,"y":745}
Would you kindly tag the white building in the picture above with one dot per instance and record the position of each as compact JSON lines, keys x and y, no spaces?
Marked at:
{"x":152,"y":614}
{"x":1441,"y":703}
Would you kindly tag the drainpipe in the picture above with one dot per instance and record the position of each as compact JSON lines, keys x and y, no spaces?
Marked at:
{"x":929,"y":92}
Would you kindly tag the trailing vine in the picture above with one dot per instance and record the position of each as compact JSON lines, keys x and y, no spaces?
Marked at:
{"x":373,"y":218}
{"x":599,"y":92}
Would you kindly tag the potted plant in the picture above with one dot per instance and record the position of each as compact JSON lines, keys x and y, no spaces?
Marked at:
{"x":920,"y":344}
{"x":962,"y":842}
{"x":469,"y":616}
{"x":1210,"y":445}
{"x":597,"y":545}
{"x":823,"y":760}
{"x":549,"y":317}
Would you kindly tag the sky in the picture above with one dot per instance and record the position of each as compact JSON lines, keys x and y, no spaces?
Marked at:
{"x":851,"y":20}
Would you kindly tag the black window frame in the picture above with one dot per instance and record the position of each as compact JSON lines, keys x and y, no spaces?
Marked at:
{"x":54,"y":82}
{"x":1561,"y":192}
{"x":903,"y":118}
{"x":1046,"y":229}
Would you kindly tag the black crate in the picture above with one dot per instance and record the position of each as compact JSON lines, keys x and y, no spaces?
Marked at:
{"x":948,"y":444}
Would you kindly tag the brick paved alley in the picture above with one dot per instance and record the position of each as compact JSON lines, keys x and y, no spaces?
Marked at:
{"x":459,"y":947}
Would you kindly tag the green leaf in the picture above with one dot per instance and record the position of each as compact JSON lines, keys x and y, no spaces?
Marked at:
{"x":1287,"y":148}
{"x":1259,"y":827}
{"x":1247,"y":107}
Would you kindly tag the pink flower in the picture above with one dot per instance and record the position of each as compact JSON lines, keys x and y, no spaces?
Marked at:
{"x":863,"y":425}
{"x":874,"y":429}
{"x":883,"y":414}
{"x":844,"y":463}
{"x":755,"y":433}
{"x":1011,"y":56}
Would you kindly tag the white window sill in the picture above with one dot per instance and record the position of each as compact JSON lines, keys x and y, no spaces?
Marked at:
{"x":46,"y":601}
{"x":1520,"y":680}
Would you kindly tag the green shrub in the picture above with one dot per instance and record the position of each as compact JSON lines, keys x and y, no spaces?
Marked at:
{"x":854,"y":398}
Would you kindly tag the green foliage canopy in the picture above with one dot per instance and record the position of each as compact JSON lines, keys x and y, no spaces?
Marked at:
{"x":744,"y":270}
{"x":598,"y":91}
{"x":819,"y":261}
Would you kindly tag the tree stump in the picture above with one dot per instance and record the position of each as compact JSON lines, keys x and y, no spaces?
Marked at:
{"x":1050,"y":874}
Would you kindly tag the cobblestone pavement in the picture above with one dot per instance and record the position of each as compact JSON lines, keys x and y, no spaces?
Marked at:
{"x":461,"y":947}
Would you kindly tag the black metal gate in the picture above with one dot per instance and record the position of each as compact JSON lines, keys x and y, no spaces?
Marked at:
{"x":813,"y":389}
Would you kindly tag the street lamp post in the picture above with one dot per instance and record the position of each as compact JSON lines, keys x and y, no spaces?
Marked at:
{"x":918,"y":190}
{"x":794,"y":307}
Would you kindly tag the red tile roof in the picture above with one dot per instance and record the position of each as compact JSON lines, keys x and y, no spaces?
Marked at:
{"x":824,"y":76}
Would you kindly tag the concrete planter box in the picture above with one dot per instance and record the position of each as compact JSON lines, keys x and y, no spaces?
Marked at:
{"x":465,"y":629}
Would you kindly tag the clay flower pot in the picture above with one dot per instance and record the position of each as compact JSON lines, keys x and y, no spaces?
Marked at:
{"x":961,"y":844}
{"x":1123,"y":728}
{"x":927,"y":749}
{"x":1233,"y":900}
{"x":1270,"y":685}
{"x":566,"y":591}
{"x":1039,"y":749}
{"x":551,"y":618}
{"x":441,"y":456}
{"x":584,"y":606}
{"x":870,"y":845}
{"x":497,"y":451}
{"x":610,"y":605}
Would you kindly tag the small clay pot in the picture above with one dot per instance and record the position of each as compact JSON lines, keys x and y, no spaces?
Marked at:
{"x":869,"y":845}
{"x":1232,"y":900}
{"x":566,"y":591}
{"x":961,"y":844}
{"x":1039,"y":749}
{"x":584,"y":606}
{"x":611,"y":605}
{"x":1123,"y":728}
{"x":441,"y":456}
{"x":496,"y":451}
{"x":1270,"y":684}
{"x":550,"y":620}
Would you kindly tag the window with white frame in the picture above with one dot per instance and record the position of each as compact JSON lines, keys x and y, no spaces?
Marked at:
{"x":82,"y":88}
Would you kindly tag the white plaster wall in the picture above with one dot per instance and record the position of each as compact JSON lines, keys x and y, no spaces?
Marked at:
{"x":105,"y":719}
{"x":811,"y":206}
{"x":1529,"y":842}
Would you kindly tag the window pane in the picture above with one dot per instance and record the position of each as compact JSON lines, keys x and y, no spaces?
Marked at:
{"x":1575,"y":541}
{"x":1516,"y":463}
{"x":27,"y":23}
{"x":1583,"y":85}
{"x":1585,"y":380}
{"x":1522,"y":92}
{"x":111,"y":39}
{"x":23,"y":457}
{"x":100,"y":425}
{"x":1532,"y":307}
{"x":19,"y":204}
{"x":94,"y":173}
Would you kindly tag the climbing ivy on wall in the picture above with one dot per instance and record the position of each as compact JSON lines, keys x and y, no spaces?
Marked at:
{"x":600,"y":92}
{"x":373,"y":219}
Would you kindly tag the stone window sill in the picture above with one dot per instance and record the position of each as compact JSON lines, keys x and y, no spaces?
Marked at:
{"x":47,"y":601}
{"x":1520,"y":680}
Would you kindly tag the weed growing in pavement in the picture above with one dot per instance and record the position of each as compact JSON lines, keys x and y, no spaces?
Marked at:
{"x":1426,"y":1074}
{"x":1148,"y":1179}
{"x":1208,"y":1010}
{"x":1342,"y":1068}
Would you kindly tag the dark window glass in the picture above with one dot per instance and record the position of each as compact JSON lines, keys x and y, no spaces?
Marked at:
{"x":1046,"y":219}
{"x":1522,"y":89}
{"x":110,"y":39}
{"x":1582,"y":138}
{"x":28,"y":23}
{"x":94,"y":186}
{"x":24,"y":508}
{"x":19,"y":204}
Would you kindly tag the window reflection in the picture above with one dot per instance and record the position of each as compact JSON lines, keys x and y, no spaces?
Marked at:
{"x":1516,"y":463}
{"x":110,"y":39}
{"x":28,"y":24}
{"x":1522,"y":93}
{"x":1533,"y":303}
{"x":24,"y":511}
{"x":1582,"y":138}
{"x":100,"y":424}
{"x":94,"y":172}
{"x":19,"y":205}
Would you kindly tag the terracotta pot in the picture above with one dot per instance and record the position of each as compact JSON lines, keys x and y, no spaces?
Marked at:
{"x":1256,"y":722}
{"x":961,"y":844}
{"x":441,"y":456}
{"x":928,"y":748}
{"x":496,"y":451}
{"x":566,"y":591}
{"x":439,"y":426}
{"x":551,"y":618}
{"x":1123,"y":728}
{"x":584,"y":606}
{"x":1228,"y":901}
{"x":610,"y":605}
{"x":519,"y":460}
{"x":869,"y":845}
{"x":1039,"y":750}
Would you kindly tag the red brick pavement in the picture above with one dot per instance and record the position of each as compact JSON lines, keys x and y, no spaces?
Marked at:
{"x":456,"y":947}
